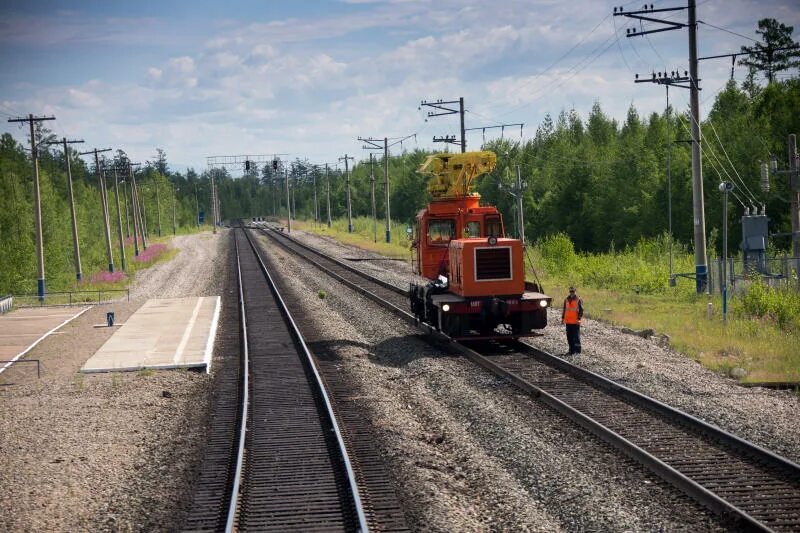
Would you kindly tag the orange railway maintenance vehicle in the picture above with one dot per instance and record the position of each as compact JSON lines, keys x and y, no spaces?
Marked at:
{"x":478,"y":288}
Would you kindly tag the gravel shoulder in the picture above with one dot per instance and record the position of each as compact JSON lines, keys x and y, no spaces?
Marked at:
{"x":764,"y":416}
{"x":107,"y":452}
{"x":468,"y":452}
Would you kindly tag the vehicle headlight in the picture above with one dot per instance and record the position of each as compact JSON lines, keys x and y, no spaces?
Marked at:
{"x":543,"y":303}
{"x":446,"y":308}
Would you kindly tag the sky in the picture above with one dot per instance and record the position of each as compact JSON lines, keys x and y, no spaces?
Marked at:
{"x":306,"y":78}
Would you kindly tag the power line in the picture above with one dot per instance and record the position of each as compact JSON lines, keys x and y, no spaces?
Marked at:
{"x":728,"y":158}
{"x":727,"y":30}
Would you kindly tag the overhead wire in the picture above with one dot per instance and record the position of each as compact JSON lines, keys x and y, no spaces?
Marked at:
{"x":728,"y":158}
{"x":704,"y":147}
{"x":727,"y":30}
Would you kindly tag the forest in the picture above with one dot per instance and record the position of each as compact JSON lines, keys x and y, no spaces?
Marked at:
{"x":602,"y":182}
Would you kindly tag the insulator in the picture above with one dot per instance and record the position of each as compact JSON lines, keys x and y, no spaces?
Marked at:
{"x":764,"y":177}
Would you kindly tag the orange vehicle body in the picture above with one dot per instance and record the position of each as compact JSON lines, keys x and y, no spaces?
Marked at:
{"x":477,"y":274}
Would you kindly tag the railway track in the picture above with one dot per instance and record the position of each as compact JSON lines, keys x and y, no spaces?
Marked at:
{"x":747,"y":486}
{"x":289,"y":469}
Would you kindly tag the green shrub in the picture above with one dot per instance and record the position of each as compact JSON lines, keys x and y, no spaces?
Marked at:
{"x":781,"y":305}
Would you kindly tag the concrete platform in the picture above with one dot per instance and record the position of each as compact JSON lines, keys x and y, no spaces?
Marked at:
{"x":24,"y":328}
{"x":162,"y":334}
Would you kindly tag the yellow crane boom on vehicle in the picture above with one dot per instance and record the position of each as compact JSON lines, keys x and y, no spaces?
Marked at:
{"x":453,"y":175}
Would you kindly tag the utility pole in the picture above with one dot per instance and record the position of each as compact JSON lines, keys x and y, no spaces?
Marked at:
{"x":349,"y":207}
{"x":288,"y":201}
{"x":76,"y":251}
{"x":196,"y":207}
{"x":37,"y":198}
{"x":371,"y":143}
{"x":213,"y":205}
{"x":372,"y":195}
{"x":127,"y":212}
{"x":519,"y":207}
{"x":174,"y":200}
{"x":386,"y":175}
{"x":135,"y":207}
{"x":119,"y":221}
{"x":446,"y":108}
{"x":725,"y":188}
{"x":794,"y":191}
{"x":701,"y":268}
{"x":316,"y":205}
{"x":158,"y":205}
{"x":328,"y":184}
{"x":103,"y":203}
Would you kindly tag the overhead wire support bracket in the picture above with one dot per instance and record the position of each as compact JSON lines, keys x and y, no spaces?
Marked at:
{"x":640,"y":15}
{"x":673,"y":80}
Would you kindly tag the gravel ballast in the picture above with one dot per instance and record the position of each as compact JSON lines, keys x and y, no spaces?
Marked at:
{"x":107,"y":452}
{"x":467,"y":451}
{"x":764,"y":416}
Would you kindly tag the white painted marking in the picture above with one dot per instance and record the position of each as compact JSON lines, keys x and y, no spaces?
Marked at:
{"x":40,"y":339}
{"x":212,"y":334}
{"x":188,"y":331}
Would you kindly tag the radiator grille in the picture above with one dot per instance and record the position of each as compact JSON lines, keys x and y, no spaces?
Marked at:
{"x":492,"y":263}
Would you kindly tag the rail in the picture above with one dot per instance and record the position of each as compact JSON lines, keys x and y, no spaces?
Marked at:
{"x":295,"y":330}
{"x":740,"y":450}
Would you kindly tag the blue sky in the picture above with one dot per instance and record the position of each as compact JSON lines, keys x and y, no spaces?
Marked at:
{"x":307,"y":78}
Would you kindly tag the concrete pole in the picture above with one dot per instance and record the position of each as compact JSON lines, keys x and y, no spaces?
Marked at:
{"x":158,"y":206}
{"x":349,"y":205}
{"x":701,"y":268}
{"x":328,"y":184}
{"x":519,"y":207}
{"x":76,"y":250}
{"x":463,"y":131}
{"x":139,"y":212}
{"x":724,"y":288}
{"x":142,"y":202}
{"x":316,"y":205}
{"x":119,"y":222}
{"x":104,"y":205}
{"x":196,"y":207}
{"x":126,"y":199}
{"x":174,"y":200}
{"x":794,"y":191}
{"x":386,"y":183}
{"x":213,"y":205}
{"x":288,"y":203}
{"x":37,"y":214}
{"x":135,"y":209}
{"x":372,"y":193}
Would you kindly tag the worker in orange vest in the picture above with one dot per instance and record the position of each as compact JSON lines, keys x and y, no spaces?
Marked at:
{"x":571,"y":316}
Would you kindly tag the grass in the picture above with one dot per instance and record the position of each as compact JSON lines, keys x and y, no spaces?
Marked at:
{"x":363,"y":235}
{"x":630,"y":288}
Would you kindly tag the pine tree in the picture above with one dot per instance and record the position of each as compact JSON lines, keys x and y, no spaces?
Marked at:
{"x":766,"y":56}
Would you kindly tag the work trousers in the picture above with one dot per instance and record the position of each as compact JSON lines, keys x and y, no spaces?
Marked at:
{"x":574,"y":338}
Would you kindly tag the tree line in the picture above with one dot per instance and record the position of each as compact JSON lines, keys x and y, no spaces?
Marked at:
{"x":602,"y":182}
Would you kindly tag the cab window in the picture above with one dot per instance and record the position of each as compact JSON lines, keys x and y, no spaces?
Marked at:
{"x":472,"y":229}
{"x":441,"y":231}
{"x":493,"y":227}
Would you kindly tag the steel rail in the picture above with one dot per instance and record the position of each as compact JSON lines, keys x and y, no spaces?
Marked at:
{"x":728,"y":512}
{"x":234,"y":494}
{"x":351,"y":477}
